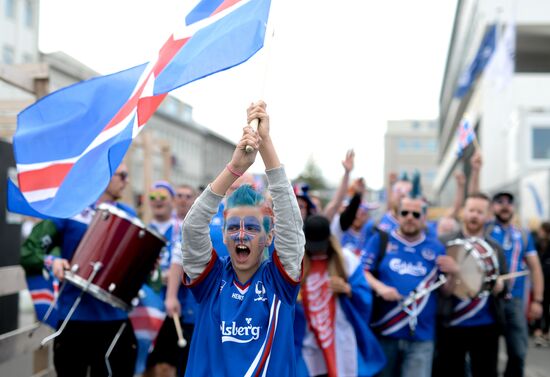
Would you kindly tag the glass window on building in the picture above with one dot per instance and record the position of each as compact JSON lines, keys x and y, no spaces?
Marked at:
{"x":8,"y":55}
{"x":541,"y":143}
{"x":29,"y":14}
{"x":402,"y":145}
{"x":9,"y":8}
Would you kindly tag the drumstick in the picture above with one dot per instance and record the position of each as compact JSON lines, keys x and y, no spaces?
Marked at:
{"x":513,"y":275}
{"x":254,"y":125}
{"x":181,"y":340}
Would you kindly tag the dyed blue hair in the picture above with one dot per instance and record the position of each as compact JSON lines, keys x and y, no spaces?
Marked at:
{"x":246,"y":196}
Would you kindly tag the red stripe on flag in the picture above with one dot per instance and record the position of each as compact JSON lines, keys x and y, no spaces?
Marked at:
{"x":44,"y":178}
{"x":166,"y":54}
{"x":226,"y":4}
{"x":149,"y":323}
{"x":147,"y":107}
{"x":42,"y":296}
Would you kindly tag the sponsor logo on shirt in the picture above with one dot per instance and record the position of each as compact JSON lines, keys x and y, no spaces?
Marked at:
{"x":237,"y":296}
{"x":428,"y":254}
{"x":407,"y":268}
{"x":239,"y":334}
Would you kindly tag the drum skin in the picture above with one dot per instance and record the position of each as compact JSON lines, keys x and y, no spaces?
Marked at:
{"x":478,"y":267}
{"x":127,"y":251}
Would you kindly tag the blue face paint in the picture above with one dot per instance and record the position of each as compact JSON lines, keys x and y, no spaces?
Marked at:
{"x":242,"y":230}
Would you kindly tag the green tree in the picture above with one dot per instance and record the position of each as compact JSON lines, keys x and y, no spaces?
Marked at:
{"x":312,"y":175}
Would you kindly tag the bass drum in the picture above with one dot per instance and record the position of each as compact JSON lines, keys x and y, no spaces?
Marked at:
{"x":125,"y":251}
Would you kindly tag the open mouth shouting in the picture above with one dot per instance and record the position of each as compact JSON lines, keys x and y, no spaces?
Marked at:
{"x":242,"y":252}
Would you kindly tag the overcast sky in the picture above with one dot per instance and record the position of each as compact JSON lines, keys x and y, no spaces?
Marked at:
{"x":333,"y":73}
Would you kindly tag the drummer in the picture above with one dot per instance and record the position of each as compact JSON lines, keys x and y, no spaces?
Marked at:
{"x":93,"y":326}
{"x":471,"y":326}
{"x":397,"y":264}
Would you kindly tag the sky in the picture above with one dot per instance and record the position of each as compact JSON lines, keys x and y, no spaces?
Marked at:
{"x":332,"y":73}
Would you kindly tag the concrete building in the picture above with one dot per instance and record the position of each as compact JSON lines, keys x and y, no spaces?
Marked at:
{"x":411,"y":145}
{"x":511,"y":116}
{"x":19,"y":31}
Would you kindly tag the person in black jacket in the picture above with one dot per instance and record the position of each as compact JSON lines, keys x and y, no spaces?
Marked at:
{"x":542,"y":326}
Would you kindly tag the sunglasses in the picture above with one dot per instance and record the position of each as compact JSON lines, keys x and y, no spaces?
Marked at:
{"x":184,"y":196}
{"x":123,"y":175}
{"x":157,"y":196}
{"x":415,"y":214}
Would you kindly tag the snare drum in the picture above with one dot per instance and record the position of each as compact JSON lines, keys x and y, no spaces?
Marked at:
{"x":126,"y":251}
{"x":478,"y":266}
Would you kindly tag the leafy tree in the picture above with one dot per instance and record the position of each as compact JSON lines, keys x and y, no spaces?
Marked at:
{"x":312,"y":175}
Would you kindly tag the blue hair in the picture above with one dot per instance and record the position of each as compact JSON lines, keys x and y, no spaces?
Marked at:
{"x":246,"y":196}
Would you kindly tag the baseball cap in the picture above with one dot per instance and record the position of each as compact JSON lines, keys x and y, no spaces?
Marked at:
{"x":507,"y":194}
{"x":317,"y":233}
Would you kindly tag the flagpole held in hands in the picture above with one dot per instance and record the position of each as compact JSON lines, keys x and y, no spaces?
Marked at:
{"x":268,"y":43}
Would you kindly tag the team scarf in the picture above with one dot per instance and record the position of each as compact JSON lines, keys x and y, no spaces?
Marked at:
{"x":320,"y":311}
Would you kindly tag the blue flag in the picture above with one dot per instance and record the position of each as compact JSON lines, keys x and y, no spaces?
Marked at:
{"x":68,"y":145}
{"x":484,"y":53}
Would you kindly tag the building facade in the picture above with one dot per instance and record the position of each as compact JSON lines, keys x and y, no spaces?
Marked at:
{"x":510,"y":113}
{"x":411,"y":145}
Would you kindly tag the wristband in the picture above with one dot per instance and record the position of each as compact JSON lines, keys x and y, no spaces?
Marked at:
{"x":233,"y":171}
{"x":538,"y":301}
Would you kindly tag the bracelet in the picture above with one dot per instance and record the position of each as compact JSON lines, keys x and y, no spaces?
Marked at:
{"x":233,"y":171}
{"x":538,"y":301}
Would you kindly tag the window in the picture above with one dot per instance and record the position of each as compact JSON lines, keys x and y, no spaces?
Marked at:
{"x":541,"y":143}
{"x":8,"y":55}
{"x":29,"y":14}
{"x":9,"y":8}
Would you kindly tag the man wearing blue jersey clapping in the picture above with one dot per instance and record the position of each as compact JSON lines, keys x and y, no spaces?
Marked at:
{"x":245,"y":303}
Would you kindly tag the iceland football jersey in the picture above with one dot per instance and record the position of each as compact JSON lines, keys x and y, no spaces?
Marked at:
{"x":243,"y":328}
{"x":406,"y":266}
{"x":516,"y":247}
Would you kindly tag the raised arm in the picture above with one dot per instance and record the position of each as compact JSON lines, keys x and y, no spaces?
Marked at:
{"x":197,"y":246}
{"x":476,"y":162}
{"x":334,"y":205}
{"x":289,"y":237}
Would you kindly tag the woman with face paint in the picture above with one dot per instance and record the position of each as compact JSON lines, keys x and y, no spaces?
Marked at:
{"x":244,"y":323}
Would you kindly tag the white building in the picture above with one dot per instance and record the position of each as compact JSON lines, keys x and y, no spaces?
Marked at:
{"x":409,"y":146}
{"x":19,"y":31}
{"x":511,"y":117}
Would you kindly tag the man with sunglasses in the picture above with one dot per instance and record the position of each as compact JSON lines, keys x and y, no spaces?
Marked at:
{"x":471,"y":327}
{"x":167,"y":358}
{"x":520,"y":253}
{"x":410,"y":262}
{"x":89,"y":333}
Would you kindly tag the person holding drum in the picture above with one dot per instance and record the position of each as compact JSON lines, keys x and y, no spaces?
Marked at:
{"x":246,"y":302}
{"x":84,"y":342}
{"x":520,"y":251}
{"x":403,"y":268}
{"x":472,"y":316}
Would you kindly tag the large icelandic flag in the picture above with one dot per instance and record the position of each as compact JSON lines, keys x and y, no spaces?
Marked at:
{"x":68,"y":144}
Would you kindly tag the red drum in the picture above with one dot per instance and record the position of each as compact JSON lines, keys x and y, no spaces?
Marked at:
{"x":478,"y":266}
{"x":126,"y":251}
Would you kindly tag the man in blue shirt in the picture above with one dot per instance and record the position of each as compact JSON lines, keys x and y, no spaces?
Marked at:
{"x":520,"y":253}
{"x":85,"y":340}
{"x":412,"y":263}
{"x":244,"y":323}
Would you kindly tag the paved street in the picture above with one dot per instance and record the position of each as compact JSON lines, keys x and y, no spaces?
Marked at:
{"x":538,"y":360}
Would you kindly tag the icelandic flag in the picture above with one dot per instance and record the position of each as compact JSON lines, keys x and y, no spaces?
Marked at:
{"x":68,"y":145}
{"x":465,"y":134}
{"x":484,"y":53}
{"x":43,"y":292}
{"x":147,"y":319}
